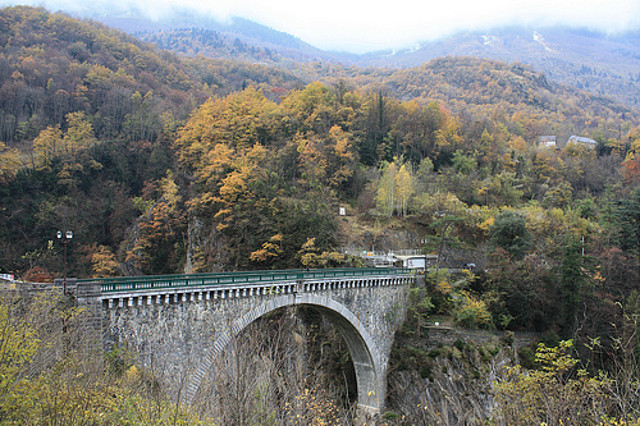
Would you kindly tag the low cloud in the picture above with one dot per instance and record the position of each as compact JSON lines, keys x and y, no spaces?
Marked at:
{"x":360,"y":26}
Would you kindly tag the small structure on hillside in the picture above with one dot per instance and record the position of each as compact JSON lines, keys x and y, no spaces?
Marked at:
{"x":548,"y":141}
{"x":7,"y":281}
{"x":413,"y":259}
{"x":6,"y":277}
{"x":418,"y":262}
{"x":582,"y":141}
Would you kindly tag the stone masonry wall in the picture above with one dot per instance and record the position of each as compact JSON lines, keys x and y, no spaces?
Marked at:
{"x":173,"y":337}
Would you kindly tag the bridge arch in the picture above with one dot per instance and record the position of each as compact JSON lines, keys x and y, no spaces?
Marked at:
{"x":363,"y":350}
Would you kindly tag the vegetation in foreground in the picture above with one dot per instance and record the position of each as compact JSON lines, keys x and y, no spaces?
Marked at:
{"x":549,"y":381}
{"x":292,"y":368}
{"x":53,"y":371}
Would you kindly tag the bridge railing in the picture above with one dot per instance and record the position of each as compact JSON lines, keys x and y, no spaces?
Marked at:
{"x":128,"y":284}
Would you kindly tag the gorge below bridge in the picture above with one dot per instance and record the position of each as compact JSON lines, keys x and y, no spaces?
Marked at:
{"x":180,"y":324}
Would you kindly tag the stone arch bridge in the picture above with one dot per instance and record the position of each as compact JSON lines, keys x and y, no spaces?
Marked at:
{"x":179,"y":324}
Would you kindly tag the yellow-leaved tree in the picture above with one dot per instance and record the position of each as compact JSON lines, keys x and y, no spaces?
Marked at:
{"x":9,"y":163}
{"x":70,"y":149}
{"x":386,"y":195}
{"x":556,"y":393}
{"x":50,"y":375}
{"x":395,"y":188}
{"x":160,"y":231}
{"x":405,"y":188}
{"x":342,"y":162}
{"x":47,"y":146}
{"x":18,"y":345}
{"x":103,"y":261}
{"x":223,"y":146}
{"x":269,"y":251}
{"x":311,"y":257}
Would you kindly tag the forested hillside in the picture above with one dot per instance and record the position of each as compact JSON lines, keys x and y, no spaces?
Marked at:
{"x":491,"y":92}
{"x":212,"y":44}
{"x":52,"y":65}
{"x":93,"y":117}
{"x":603,"y":64}
{"x":87,"y":116}
{"x":483,"y":88}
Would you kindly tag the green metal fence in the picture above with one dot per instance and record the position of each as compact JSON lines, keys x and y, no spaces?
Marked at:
{"x":127,"y":284}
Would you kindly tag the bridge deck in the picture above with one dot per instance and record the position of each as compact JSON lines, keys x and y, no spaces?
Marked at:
{"x":129,"y":284}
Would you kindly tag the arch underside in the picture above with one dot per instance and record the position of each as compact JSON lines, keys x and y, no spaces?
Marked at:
{"x":363,"y":351}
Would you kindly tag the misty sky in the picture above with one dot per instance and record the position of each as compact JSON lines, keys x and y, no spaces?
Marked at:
{"x":360,"y":26}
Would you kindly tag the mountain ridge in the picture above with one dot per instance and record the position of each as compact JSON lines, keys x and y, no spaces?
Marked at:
{"x":606,"y":65}
{"x":236,"y":28}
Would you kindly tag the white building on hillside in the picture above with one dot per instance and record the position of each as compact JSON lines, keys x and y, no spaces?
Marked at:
{"x":580,"y":140}
{"x":547,"y":141}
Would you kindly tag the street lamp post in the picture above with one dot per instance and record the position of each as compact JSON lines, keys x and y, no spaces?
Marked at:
{"x":65,"y":239}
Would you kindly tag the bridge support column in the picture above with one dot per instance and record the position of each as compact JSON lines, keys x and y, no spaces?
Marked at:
{"x":88,"y":296}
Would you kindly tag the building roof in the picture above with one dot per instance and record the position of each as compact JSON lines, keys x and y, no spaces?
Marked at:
{"x":581,"y":139}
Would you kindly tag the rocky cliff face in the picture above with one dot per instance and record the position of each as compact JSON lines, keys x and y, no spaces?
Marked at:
{"x":205,"y":250}
{"x":447,"y":376}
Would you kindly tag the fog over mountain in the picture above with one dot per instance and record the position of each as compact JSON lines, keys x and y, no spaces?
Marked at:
{"x":567,"y":43}
{"x":358,"y":26}
{"x":607,"y":65}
